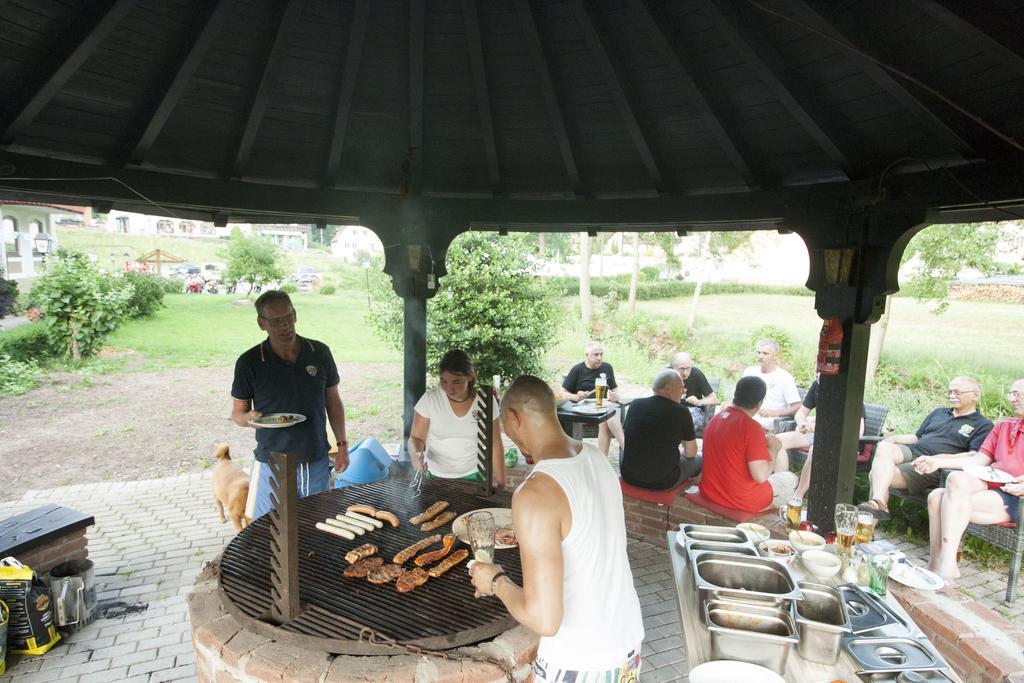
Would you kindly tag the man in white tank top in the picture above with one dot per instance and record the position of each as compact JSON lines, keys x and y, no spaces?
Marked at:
{"x":577,"y":588}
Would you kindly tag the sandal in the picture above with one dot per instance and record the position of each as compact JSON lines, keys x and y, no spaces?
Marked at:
{"x":876,"y":509}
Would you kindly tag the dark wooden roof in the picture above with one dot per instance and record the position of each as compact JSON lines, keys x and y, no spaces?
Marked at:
{"x":507,"y":99}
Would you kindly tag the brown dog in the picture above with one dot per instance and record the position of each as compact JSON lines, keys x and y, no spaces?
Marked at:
{"x":230,"y":488}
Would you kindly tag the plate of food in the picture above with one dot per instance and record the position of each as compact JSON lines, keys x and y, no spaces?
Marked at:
{"x":989,"y":474}
{"x":278,"y":420}
{"x":755,"y":532}
{"x":916,"y":577}
{"x":589,"y":407}
{"x":506,"y":536}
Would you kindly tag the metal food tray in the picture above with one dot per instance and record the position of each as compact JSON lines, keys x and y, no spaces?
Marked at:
{"x":866,"y":611}
{"x":731,"y":576}
{"x":889,"y":655}
{"x":937,"y":676}
{"x":693,"y":546}
{"x":761,"y":635}
{"x":713,"y":534}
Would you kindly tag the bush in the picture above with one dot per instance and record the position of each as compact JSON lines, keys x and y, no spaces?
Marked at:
{"x":664,"y":289}
{"x":171,"y":285}
{"x":489,"y":304}
{"x":18,"y":377}
{"x":82,"y":306}
{"x":327,"y":290}
{"x":289,"y":288}
{"x":8,"y":297}
{"x":25,"y":342}
{"x":146,"y":295}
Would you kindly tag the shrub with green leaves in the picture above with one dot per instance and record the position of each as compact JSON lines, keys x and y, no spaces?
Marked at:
{"x":147,"y":294}
{"x":8,"y":296}
{"x":18,"y":376}
{"x":490,"y":305}
{"x":82,"y":305}
{"x":289,"y":288}
{"x":327,"y":290}
{"x":27,"y":342}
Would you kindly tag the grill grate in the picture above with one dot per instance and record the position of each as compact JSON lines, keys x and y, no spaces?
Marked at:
{"x":440,"y":614}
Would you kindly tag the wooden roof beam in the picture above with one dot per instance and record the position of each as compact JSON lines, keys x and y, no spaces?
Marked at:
{"x":611,"y":78}
{"x":212,"y":18}
{"x":547,"y":86}
{"x":271,"y":68}
{"x":768,"y":64}
{"x":727,"y":140}
{"x":984,"y":23}
{"x":819,"y":14}
{"x":483,"y":98}
{"x":66,"y":69}
{"x":349,"y":74}
{"x":417,"y":58}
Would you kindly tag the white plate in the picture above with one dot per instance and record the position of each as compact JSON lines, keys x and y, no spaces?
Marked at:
{"x":728,"y":671}
{"x":588,"y":407}
{"x":753,"y":531}
{"x":916,"y":577}
{"x":272,"y":420}
{"x":989,"y":474}
{"x":502,"y":517}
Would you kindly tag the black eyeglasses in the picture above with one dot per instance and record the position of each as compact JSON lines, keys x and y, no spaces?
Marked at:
{"x":283,"y":321}
{"x":956,"y":393}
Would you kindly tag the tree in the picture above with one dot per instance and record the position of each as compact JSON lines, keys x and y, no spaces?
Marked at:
{"x":634,"y":279}
{"x":937,"y":256}
{"x":253,"y":259}
{"x":715,"y":247}
{"x":586,"y":305}
{"x":490,"y":305}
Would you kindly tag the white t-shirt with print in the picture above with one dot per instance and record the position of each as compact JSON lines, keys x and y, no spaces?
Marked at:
{"x":782,"y":389}
{"x":451,"y":440}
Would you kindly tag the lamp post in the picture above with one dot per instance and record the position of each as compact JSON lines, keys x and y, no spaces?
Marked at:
{"x":113,"y":262}
{"x":43,"y":241}
{"x":124,"y":264}
{"x":366,"y":270}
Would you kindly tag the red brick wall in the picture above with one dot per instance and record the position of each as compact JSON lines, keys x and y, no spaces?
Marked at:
{"x":71,"y":546}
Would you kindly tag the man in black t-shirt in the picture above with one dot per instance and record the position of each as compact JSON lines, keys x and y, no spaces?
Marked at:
{"x":655,"y":428}
{"x":697,"y":391}
{"x":286,"y":373}
{"x":579,"y":385}
{"x":944,"y":433}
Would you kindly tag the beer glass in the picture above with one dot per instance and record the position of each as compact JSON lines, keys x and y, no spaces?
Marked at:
{"x":865,"y":527}
{"x":600,"y":389}
{"x":846,"y":528}
{"x":792,"y":512}
{"x":481,"y":530}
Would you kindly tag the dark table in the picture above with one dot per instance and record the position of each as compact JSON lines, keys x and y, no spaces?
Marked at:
{"x":572,"y":421}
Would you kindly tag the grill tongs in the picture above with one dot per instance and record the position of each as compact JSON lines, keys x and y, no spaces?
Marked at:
{"x":417,"y":481}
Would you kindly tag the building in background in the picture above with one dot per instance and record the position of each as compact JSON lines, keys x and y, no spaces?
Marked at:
{"x":350,"y":242}
{"x":29,"y":232}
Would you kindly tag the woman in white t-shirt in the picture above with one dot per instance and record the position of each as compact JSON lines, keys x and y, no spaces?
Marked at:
{"x":443,"y":438}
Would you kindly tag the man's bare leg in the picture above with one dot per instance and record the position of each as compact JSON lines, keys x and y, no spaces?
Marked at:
{"x":604,"y":437}
{"x":780,"y":457}
{"x":935,"y":499}
{"x":805,"y":477}
{"x":967,"y":499}
{"x":884,"y":472}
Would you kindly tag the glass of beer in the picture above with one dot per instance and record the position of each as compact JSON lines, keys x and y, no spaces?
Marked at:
{"x":846,"y":528}
{"x":792,"y":512}
{"x":865,"y":527}
{"x":600,"y":389}
{"x":481,"y":530}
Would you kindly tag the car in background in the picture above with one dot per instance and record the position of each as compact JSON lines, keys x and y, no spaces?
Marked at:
{"x":306,"y":278}
{"x":185,"y":269}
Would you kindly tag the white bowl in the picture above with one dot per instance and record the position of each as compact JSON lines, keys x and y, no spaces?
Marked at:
{"x":806,"y":540}
{"x":820,"y":563}
{"x":755,"y":532}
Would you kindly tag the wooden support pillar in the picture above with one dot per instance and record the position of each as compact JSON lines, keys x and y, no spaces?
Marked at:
{"x":414,"y":333}
{"x":855,"y":256}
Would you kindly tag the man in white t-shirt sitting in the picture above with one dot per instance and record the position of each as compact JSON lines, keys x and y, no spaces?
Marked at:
{"x":782,"y":399}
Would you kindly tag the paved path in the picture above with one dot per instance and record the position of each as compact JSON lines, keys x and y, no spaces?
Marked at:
{"x":152,"y":537}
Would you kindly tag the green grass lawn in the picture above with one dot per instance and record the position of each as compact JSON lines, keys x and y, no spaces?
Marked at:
{"x":198,"y":331}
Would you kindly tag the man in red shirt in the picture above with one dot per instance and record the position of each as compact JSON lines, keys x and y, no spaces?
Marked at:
{"x":741,"y":470}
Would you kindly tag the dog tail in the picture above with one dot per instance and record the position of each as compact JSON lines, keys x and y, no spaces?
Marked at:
{"x":222,"y":452}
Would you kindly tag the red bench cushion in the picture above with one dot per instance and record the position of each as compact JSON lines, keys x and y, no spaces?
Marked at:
{"x":728,"y":513}
{"x":660,"y":497}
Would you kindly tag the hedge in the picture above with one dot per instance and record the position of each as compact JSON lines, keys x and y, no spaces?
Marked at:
{"x":25,"y":343}
{"x":666,"y":289}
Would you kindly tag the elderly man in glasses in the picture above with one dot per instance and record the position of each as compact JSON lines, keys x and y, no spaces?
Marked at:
{"x":966,"y":498}
{"x":286,"y":373}
{"x":911,"y":461}
{"x":697,"y":391}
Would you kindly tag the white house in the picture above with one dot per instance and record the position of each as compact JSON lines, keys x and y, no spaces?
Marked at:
{"x":129,"y":223}
{"x":28,"y":231}
{"x":352,"y":240}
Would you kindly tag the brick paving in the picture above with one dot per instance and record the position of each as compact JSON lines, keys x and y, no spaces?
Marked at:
{"x":151,"y":539}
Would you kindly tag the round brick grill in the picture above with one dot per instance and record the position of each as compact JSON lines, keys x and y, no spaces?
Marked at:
{"x":441,"y":614}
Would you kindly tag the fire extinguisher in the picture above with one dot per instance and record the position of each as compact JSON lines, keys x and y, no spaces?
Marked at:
{"x":830,"y":345}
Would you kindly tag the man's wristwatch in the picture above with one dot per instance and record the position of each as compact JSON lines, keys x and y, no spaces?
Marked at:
{"x":494,"y":579}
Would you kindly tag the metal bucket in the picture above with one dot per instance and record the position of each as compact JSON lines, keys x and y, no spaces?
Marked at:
{"x":73,"y":591}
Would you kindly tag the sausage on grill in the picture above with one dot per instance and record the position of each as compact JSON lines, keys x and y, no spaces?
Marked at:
{"x":359,"y":553}
{"x":365,"y":509}
{"x":385,"y":574}
{"x":431,"y":512}
{"x":449,"y":562}
{"x":363,"y":567}
{"x":435,"y":555}
{"x":439,"y":521}
{"x":410,"y":552}
{"x":411,"y":578}
{"x":388,"y":517}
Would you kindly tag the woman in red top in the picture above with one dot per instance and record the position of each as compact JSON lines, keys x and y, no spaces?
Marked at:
{"x":969,"y":499}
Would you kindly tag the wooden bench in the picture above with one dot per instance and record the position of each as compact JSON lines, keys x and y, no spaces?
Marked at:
{"x":45,"y":537}
{"x":1008,"y":536}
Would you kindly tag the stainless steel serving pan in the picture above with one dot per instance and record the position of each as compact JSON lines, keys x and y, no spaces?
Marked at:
{"x":730,"y":576}
{"x":821,"y":622}
{"x":714,"y":534}
{"x":707,"y":546}
{"x":866,"y":611}
{"x":744,"y":632}
{"x":887,"y":655}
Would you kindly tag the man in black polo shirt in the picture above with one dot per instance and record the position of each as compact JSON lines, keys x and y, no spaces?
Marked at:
{"x":946,"y":432}
{"x":697,"y":391}
{"x":579,"y":385}
{"x":286,"y":373}
{"x":655,"y":428}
